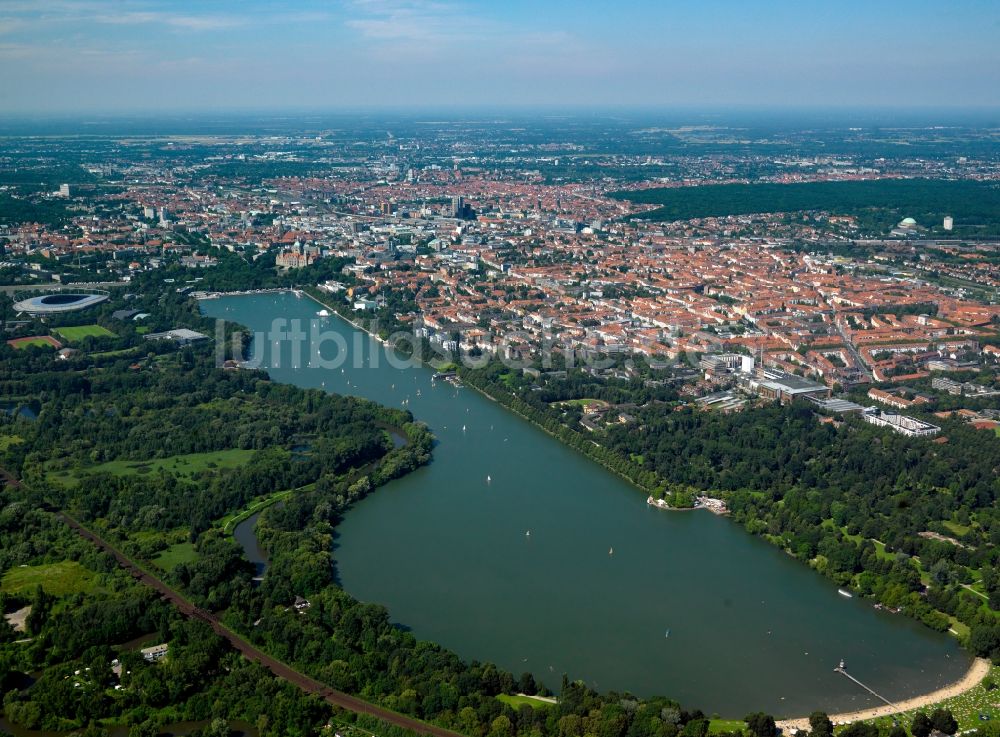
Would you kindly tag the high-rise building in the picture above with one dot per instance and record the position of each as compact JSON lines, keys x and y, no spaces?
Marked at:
{"x":949,"y":222}
{"x":457,"y":206}
{"x":64,"y":190}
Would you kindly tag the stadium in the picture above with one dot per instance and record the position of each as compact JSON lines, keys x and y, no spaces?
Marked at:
{"x":50,"y":304}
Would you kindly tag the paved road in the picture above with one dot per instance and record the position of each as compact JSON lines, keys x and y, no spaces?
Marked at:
{"x":849,"y":344}
{"x":304,"y":682}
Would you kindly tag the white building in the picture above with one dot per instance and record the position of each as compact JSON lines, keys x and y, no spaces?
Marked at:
{"x":900,"y":423}
{"x":154,"y":653}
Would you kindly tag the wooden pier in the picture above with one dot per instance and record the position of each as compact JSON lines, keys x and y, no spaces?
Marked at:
{"x":843,"y":671}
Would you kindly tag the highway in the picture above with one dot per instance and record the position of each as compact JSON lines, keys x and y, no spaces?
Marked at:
{"x":249,"y":651}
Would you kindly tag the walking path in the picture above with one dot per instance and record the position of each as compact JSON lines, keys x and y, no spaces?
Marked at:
{"x":979,"y":669}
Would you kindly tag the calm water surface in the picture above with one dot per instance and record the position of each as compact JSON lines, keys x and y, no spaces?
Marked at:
{"x":448,"y":552}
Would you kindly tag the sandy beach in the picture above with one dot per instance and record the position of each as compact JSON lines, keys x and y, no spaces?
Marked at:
{"x":979,"y":669}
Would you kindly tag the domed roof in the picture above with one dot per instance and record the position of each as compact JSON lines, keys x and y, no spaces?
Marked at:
{"x":907,"y":221}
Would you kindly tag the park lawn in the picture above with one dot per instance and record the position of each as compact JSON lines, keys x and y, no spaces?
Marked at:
{"x":955,"y":528}
{"x":880,"y":551}
{"x":966,"y":707}
{"x":181,"y":465}
{"x":142,"y":329}
{"x":8,"y":440}
{"x":175,"y":555}
{"x":959,"y":629}
{"x":59,"y":579}
{"x":586,"y":402}
{"x":516,"y":701}
{"x":119,"y":352}
{"x":80,"y":332}
{"x":718,"y":726}
{"x":230,"y":521}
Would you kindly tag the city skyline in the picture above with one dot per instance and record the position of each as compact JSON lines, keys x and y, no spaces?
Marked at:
{"x":148,"y":55}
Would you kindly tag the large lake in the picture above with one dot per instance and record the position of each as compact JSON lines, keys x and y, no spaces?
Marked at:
{"x":448,"y":552}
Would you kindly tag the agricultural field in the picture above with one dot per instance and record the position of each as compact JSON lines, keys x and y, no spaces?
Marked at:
{"x":80,"y":332}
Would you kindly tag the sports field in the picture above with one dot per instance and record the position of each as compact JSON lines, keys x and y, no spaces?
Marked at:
{"x":79,"y":332}
{"x":46,"y":340}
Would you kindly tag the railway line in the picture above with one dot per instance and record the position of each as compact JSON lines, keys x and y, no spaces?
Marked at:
{"x":251,"y":652}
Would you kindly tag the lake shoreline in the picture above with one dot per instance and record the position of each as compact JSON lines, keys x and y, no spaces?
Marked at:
{"x":978,"y":670}
{"x":372,"y":388}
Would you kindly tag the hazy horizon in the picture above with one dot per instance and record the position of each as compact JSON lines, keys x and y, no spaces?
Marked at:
{"x":76,"y":57}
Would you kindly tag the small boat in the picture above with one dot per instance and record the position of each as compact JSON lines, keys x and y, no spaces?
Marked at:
{"x":843,"y":592}
{"x":611,"y":551}
{"x":323,"y":313}
{"x":528,"y":533}
{"x":463,"y":428}
{"x":668,"y":634}
{"x":488,"y":479}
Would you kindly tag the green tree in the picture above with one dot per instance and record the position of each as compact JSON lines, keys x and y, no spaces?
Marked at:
{"x":860,"y":729}
{"x":820,"y":724}
{"x":761,"y":724}
{"x":921,"y":725}
{"x":943,"y":721}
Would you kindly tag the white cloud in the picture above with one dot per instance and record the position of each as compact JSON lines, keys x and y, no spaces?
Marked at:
{"x":418,"y":21}
{"x":26,"y":15}
{"x":173,"y":20}
{"x":11,"y":25}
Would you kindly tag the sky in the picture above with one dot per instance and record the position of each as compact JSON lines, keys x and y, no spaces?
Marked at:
{"x":129,"y":56}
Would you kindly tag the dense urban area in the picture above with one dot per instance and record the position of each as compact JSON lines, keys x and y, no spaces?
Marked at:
{"x":795,"y":326}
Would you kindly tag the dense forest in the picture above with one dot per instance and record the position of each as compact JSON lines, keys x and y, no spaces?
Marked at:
{"x":925,"y":200}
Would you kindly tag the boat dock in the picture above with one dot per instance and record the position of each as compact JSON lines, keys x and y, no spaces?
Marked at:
{"x":843,"y":671}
